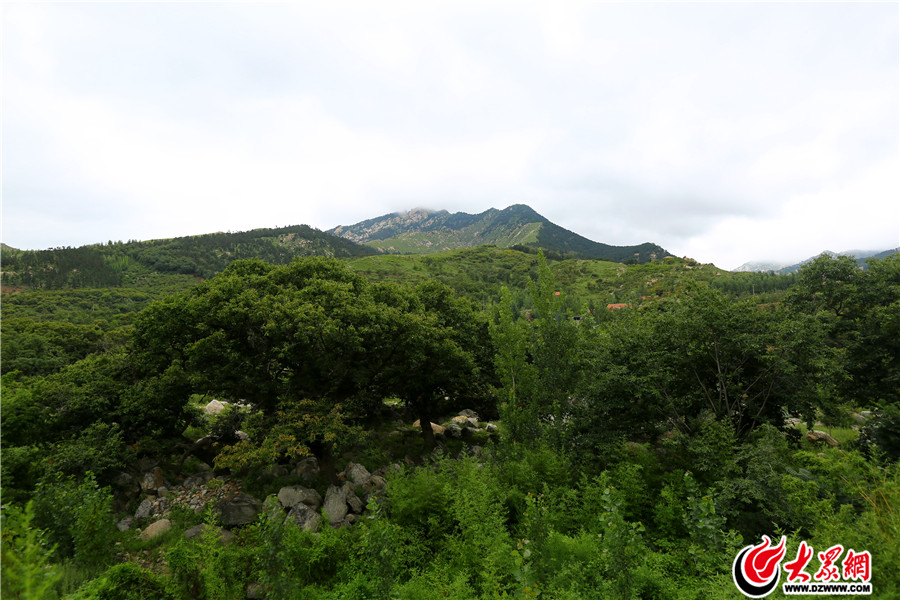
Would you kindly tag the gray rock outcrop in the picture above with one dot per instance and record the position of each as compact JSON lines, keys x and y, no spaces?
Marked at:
{"x":291,"y":496}
{"x":305,"y":517}
{"x":240,"y":509}
{"x":155,"y":529}
{"x":336,"y":503}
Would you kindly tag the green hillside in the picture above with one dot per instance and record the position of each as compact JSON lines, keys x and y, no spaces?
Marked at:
{"x":118,"y":263}
{"x":423,"y":232}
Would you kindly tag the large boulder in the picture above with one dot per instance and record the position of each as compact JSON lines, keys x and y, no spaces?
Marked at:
{"x":214,"y":407}
{"x":153,"y":480}
{"x":240,"y":509}
{"x":355,"y":503}
{"x":358,"y":474}
{"x":144,"y":510}
{"x":305,"y":517}
{"x":336,"y":503}
{"x":155,"y":529}
{"x":816,"y":436}
{"x":292,"y":495}
{"x":464,"y":421}
{"x":437,"y":429}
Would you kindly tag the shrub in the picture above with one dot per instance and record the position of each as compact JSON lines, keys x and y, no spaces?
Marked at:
{"x":125,"y":582}
{"x":79,"y":518}
{"x":27,"y":572}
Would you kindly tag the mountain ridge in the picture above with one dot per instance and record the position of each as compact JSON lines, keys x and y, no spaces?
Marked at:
{"x":783,"y":268}
{"x":423,"y":231}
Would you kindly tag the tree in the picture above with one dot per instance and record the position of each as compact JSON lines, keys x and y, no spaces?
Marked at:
{"x":447,"y":354}
{"x":310,"y":335}
{"x":669,"y":365}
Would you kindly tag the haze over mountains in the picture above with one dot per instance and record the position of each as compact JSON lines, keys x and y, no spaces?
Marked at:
{"x":861,"y":257}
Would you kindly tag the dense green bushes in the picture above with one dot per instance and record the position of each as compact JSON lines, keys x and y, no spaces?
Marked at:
{"x":639,"y":449}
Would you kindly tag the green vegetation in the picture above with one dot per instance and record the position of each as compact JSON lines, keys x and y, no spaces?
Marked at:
{"x":112,"y":264}
{"x":631,"y":453}
{"x":424,"y":232}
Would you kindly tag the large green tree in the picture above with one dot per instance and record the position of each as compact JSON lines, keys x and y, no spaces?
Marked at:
{"x":672,"y":364}
{"x":312,"y":334}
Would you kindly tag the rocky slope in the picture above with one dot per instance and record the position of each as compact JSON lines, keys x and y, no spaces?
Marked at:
{"x":422,"y":231}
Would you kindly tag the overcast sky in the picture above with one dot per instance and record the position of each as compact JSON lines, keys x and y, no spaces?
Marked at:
{"x":724,"y":132}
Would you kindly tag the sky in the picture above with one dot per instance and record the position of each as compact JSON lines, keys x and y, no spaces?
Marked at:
{"x":726,"y":132}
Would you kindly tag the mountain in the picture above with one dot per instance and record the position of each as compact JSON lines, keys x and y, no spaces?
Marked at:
{"x":759,"y":267}
{"x":861,"y":257}
{"x":422,"y":231}
{"x":111,"y":264}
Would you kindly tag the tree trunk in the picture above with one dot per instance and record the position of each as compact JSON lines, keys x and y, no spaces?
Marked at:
{"x":325,"y":456}
{"x":425,"y":424}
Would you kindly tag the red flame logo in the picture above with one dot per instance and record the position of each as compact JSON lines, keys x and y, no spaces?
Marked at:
{"x":756,"y":568}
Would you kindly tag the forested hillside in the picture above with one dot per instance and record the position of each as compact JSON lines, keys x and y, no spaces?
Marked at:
{"x":118,"y":263}
{"x":478,"y":423}
{"x":421,"y":231}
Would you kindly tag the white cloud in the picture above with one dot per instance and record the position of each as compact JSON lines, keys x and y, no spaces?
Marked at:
{"x":712,"y":129}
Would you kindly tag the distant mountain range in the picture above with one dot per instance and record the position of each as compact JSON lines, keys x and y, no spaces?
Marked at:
{"x":861,"y":257}
{"x":422,"y":231}
{"x":415,"y":232}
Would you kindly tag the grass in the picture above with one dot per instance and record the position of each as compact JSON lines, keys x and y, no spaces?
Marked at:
{"x":843,"y":435}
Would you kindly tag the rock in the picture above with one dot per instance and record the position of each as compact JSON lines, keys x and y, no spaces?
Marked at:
{"x":453,"y":431}
{"x":358,"y":474}
{"x":335,"y":503}
{"x":355,"y":503}
{"x":437,"y":429}
{"x":468,"y":413}
{"x":214,"y":407}
{"x":225,"y":536}
{"x":291,"y":496}
{"x":866,"y":414}
{"x":491,"y":428}
{"x":816,"y":436}
{"x":162,"y":491}
{"x":378,"y":483}
{"x":153,"y":480}
{"x":155,"y":529}
{"x":242,"y":436}
{"x":125,"y":524}
{"x":464,"y":421}
{"x":308,"y":468}
{"x":143,"y":511}
{"x":858,"y":418}
{"x":192,"y":482}
{"x":792,"y":421}
{"x":305,"y":517}
{"x":240,"y":509}
{"x":255,"y":591}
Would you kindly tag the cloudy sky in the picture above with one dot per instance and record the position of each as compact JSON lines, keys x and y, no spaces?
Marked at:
{"x":725,"y":132}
